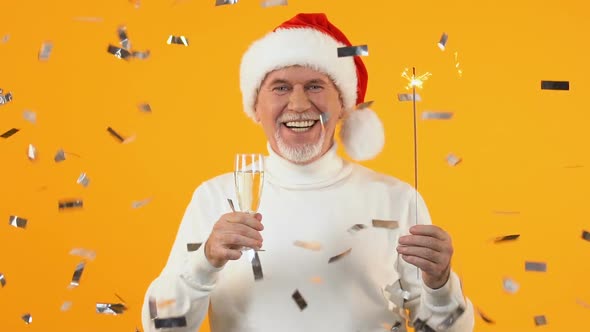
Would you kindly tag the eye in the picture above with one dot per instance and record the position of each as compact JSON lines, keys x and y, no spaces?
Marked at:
{"x":280,"y":88}
{"x":314,"y":87}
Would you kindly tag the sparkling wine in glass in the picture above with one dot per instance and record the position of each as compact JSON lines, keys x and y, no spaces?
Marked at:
{"x":249,"y":178}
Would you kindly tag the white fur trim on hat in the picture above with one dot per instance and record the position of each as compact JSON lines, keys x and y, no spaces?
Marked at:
{"x":296,"y":46}
{"x":362,"y":134}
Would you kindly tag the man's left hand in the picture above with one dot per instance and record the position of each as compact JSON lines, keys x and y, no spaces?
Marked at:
{"x":430,"y":249}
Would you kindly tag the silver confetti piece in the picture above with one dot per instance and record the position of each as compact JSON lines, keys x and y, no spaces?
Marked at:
{"x":172,"y":322}
{"x":83,"y":180}
{"x":437,"y":115}
{"x":314,"y":246}
{"x":535,"y":266}
{"x":453,"y":160}
{"x":506,"y":238}
{"x":299,"y":300}
{"x":84,"y":253}
{"x":30,"y":116}
{"x":32,"y":152}
{"x":257,"y":267}
{"x":119,"y":52}
{"x":357,"y":227}
{"x":123,"y":38}
{"x":77,"y":275}
{"x":451,"y":319}
{"x":484,"y":317}
{"x":146,"y":108}
{"x":555,"y":85}
{"x":324,"y":117}
{"x":408,"y":97}
{"x":5,"y":98}
{"x":510,"y":286}
{"x":540,"y":320}
{"x":273,"y":3}
{"x":2,"y":280}
{"x":364,"y":105}
{"x":9,"y":133}
{"x":193,"y":246}
{"x":66,"y":306}
{"x":60,"y":155}
{"x":115,"y":134}
{"x":339,"y":256}
{"x":141,"y":55}
{"x":231,"y":205}
{"x":179,"y":40}
{"x":225,"y":2}
{"x":110,"y":308}
{"x":361,"y":50}
{"x":153,"y":308}
{"x":586,"y":235}
{"x":70,"y":204}
{"x":138,"y":204}
{"x":390,"y":224}
{"x":17,"y":222}
{"x":45,"y":51}
{"x":422,"y":326}
{"x":27,"y":318}
{"x":442,"y":43}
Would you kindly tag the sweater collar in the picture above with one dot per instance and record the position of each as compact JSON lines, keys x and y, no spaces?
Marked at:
{"x":323,"y":172}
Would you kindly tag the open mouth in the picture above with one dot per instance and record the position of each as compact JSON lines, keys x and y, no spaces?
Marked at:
{"x":300,"y":126}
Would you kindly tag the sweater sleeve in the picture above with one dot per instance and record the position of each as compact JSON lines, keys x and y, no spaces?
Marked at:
{"x":181,"y":291}
{"x":442,"y":309}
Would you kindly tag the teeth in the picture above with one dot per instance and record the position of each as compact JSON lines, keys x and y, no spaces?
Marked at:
{"x":300,"y":124}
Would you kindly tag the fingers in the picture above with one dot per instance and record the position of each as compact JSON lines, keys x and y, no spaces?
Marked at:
{"x":432,"y":269}
{"x":423,"y":253}
{"x":429,"y":230}
{"x":250,"y":220}
{"x":233,"y":240}
{"x":221,"y":254}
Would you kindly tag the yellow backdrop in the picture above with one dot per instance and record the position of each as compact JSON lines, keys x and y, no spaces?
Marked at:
{"x":524,"y":166}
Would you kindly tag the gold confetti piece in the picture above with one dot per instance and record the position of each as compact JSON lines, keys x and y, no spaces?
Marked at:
{"x":84,"y":253}
{"x":583,"y":304}
{"x":555,"y":85}
{"x":166,"y":323}
{"x":339,"y":256}
{"x":510,"y":286}
{"x":458,"y":65}
{"x":110,"y":308}
{"x":316,"y":280}
{"x":415,"y":81}
{"x":390,"y":224}
{"x":231,"y":205}
{"x":66,"y":306}
{"x":193,"y":246}
{"x":45,"y":51}
{"x":83,"y":180}
{"x":360,"y":50}
{"x":364,"y":105}
{"x":119,"y":52}
{"x":225,"y":2}
{"x":484,"y":317}
{"x":301,"y":303}
{"x":27,"y":318}
{"x":166,"y":303}
{"x":30,"y":116}
{"x":153,"y":308}
{"x":535,"y":266}
{"x":453,"y":160}
{"x":138,"y":204}
{"x":10,"y":133}
{"x":88,"y":19}
{"x":2,"y":279}
{"x":256,"y":267}
{"x":315,"y":246}
{"x":32,"y":152}
{"x":506,"y":238}
{"x":17,"y":222}
{"x":179,"y":40}
{"x":437,"y":115}
{"x":356,"y":228}
{"x":70,"y":204}
{"x":422,"y":326}
{"x":146,"y":108}
{"x":5,"y":98}
{"x":408,"y":97}
{"x":442,"y":43}
{"x":59,"y":156}
{"x":273,"y":3}
{"x":540,"y":320}
{"x":115,"y":135}
{"x":77,"y":275}
{"x":451,"y":319}
{"x":586,"y":235}
{"x":123,"y":38}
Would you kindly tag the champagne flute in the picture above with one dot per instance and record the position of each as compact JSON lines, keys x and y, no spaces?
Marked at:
{"x":249,"y":178}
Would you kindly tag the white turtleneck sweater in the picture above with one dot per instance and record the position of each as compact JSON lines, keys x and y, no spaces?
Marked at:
{"x":318,"y":202}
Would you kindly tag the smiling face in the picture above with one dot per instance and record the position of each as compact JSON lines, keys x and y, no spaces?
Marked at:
{"x":289,"y":104}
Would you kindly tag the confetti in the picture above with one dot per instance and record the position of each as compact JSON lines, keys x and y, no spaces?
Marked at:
{"x":315,"y":246}
{"x":361,"y":50}
{"x":120,"y":298}
{"x":77,"y":275}
{"x":357,"y":227}
{"x":10,"y":133}
{"x":66,"y":306}
{"x":17,"y":222}
{"x":583,"y":304}
{"x":146,"y":108}
{"x":535,"y":266}
{"x":437,"y":115}
{"x":123,"y":38}
{"x":458,"y":65}
{"x":166,"y":303}
{"x":316,"y":280}
{"x":422,"y":326}
{"x":5,"y":98}
{"x":165,"y":323}
{"x":451,"y":319}
{"x":506,"y":238}
{"x":27,"y":318}
{"x":115,"y":134}
{"x":415,"y":81}
{"x":324,"y":117}
{"x":555,"y":85}
{"x":231,"y":205}
{"x":586,"y":235}
{"x":225,"y":2}
{"x":135,"y":3}
{"x":70,"y":204}
{"x":396,"y":327}
{"x":273,"y":3}
{"x":88,"y":19}
{"x":453,"y":160}
{"x":180,"y":40}
{"x":510,"y":286}
{"x":442,"y":43}
{"x":484,"y":317}
{"x":45,"y":51}
{"x":301,"y":303}
{"x":364,"y":105}
{"x":141,"y":55}
{"x":390,"y":224}
{"x":83,"y":180}
{"x":138,"y":204}
{"x":84,"y":253}
{"x":193,"y":246}
{"x":60,"y":155}
{"x":110,"y":308}
{"x":153,"y":308}
{"x":118,"y":52}
{"x":540,"y":320}
{"x":32,"y":152}
{"x":2,"y":279}
{"x":408,"y":97}
{"x":30,"y":116}
{"x":339,"y":256}
{"x":256,"y":267}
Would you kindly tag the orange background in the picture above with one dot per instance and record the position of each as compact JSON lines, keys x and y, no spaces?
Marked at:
{"x":524,"y":149}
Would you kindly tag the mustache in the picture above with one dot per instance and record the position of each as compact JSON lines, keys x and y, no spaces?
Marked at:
{"x":286,"y":117}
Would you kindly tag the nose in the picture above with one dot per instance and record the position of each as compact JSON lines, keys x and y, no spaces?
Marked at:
{"x":298,"y":100}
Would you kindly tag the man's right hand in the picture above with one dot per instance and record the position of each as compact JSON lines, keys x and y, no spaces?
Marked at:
{"x":230,"y":234}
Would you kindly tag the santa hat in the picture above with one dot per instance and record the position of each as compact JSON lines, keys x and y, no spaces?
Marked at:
{"x":311,"y":40}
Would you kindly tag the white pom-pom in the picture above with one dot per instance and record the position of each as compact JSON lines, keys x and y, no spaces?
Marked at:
{"x":362,"y":134}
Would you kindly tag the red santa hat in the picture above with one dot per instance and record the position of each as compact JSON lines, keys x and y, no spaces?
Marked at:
{"x":311,"y":40}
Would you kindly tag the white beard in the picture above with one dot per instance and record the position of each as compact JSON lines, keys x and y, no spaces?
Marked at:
{"x":299,"y":154}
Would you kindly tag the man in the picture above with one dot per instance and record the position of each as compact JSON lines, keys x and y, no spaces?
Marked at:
{"x":370,"y":265}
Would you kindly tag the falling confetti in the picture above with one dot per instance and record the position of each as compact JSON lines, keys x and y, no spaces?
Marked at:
{"x":408,"y":97}
{"x":510,"y":286}
{"x":66,"y":306}
{"x":415,"y":81}
{"x":453,"y":160}
{"x":324,"y":117}
{"x":273,"y":3}
{"x":119,"y":52}
{"x":555,"y":85}
{"x":88,"y":19}
{"x":30,"y":116}
{"x":17,"y":222}
{"x":77,"y":275}
{"x":27,"y":318}
{"x":123,"y":38}
{"x":225,"y":2}
{"x":180,"y":40}
{"x":110,"y":308}
{"x":451,"y":319}
{"x":83,"y":180}
{"x":586,"y":235}
{"x":257,"y":267}
{"x":506,"y":238}
{"x":193,"y":246}
{"x":484,"y":317}
{"x":60,"y":156}
{"x":583,"y":304}
{"x":357,"y":227}
{"x":361,"y":50}
{"x":10,"y":133}
{"x":84,"y":253}
{"x":339,"y":256}
{"x":299,"y":300}
{"x":141,"y":55}
{"x":535,"y":266}
{"x":314,"y":246}
{"x":364,"y":105}
{"x":166,"y":323}
{"x":115,"y":134}
{"x":540,"y":320}
{"x":138,"y":204}
{"x":45,"y":51}
{"x":437,"y":115}
{"x":32,"y":152}
{"x":316,"y":280}
{"x":442,"y":43}
{"x":153,"y":308}
{"x":5,"y":98}
{"x":70,"y":204}
{"x":165,"y":303}
{"x":422,"y":326}
{"x":146,"y":108}
{"x":389,"y":224}
{"x":2,"y":279}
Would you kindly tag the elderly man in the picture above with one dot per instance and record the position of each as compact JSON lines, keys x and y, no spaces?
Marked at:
{"x":391,"y":272}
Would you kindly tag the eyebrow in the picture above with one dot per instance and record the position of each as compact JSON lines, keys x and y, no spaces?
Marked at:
{"x":282,"y":81}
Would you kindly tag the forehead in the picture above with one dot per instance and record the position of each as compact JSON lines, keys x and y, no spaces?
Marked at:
{"x":296,"y":74}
